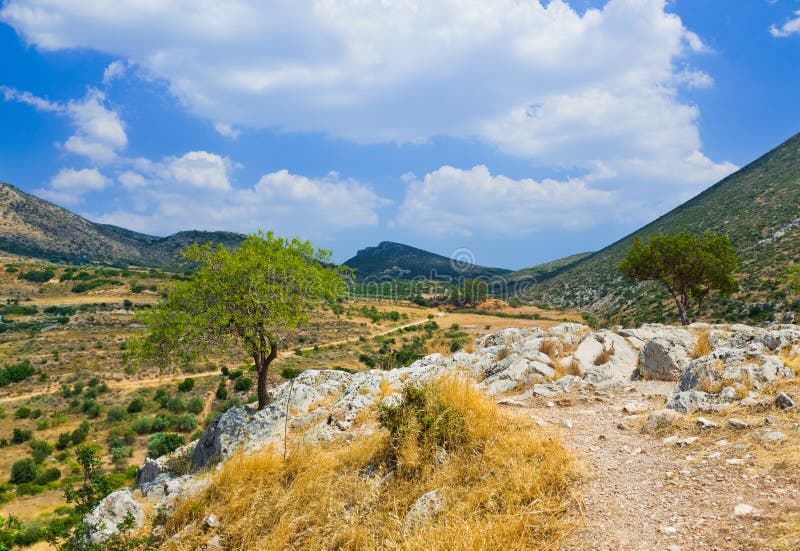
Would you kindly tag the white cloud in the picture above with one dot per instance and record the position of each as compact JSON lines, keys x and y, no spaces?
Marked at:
{"x":115,"y":70}
{"x":227,"y":130}
{"x":99,"y":131}
{"x":70,"y":185}
{"x":451,"y":201}
{"x":790,"y":27}
{"x":386,"y":71}
{"x":194,"y":192}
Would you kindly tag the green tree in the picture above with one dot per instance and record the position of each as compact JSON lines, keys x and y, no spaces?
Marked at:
{"x":247,"y":297}
{"x":95,"y":485}
{"x":688,"y":266}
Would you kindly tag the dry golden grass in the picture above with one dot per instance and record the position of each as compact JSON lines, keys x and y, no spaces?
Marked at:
{"x":573,"y":367}
{"x":604,"y":356}
{"x":703,"y":345}
{"x":506,"y":486}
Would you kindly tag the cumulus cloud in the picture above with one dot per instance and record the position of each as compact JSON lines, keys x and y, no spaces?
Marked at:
{"x":386,"y":71}
{"x":69,"y":186}
{"x":194,"y":191}
{"x":227,"y":130}
{"x":115,"y":70}
{"x":99,"y":131}
{"x":790,"y":27}
{"x":452,"y":201}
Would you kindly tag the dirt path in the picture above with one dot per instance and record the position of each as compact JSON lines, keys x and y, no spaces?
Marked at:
{"x":163,"y":379}
{"x":640,"y":493}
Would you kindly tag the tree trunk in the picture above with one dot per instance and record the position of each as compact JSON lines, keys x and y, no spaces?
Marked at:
{"x":682,"y":312}
{"x":262,"y":364}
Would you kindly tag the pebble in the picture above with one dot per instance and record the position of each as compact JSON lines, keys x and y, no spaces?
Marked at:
{"x":783,"y":401}
{"x":551,"y":404}
{"x":706,"y":423}
{"x":211,"y":520}
{"x":668,"y":530}
{"x":623,"y":426}
{"x":735,"y":423}
{"x":566,"y":423}
{"x":721,"y":443}
{"x":772,"y":436}
{"x":743,"y":509}
{"x":669,"y":440}
{"x":686,"y":441}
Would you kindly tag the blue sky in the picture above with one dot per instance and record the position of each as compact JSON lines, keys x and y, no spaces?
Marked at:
{"x":520,"y":130}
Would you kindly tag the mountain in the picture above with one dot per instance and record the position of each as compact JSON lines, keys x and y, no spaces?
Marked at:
{"x":758,"y":207}
{"x":33,"y":227}
{"x":397,"y":261}
{"x":542,"y":272}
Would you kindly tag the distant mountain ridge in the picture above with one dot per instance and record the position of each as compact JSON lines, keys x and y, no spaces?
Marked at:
{"x":33,"y":227}
{"x":758,"y":207}
{"x":390,"y":260}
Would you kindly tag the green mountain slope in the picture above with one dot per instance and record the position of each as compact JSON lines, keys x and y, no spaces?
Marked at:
{"x":397,"y":261}
{"x":758,"y":207}
{"x":547,"y":270}
{"x":36,"y":228}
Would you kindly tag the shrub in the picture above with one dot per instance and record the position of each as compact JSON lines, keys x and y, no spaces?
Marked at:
{"x":48,"y":476}
{"x":367,"y":360}
{"x":16,"y":373}
{"x":116,"y":413}
{"x":162,"y":443}
{"x":235,"y":374}
{"x":23,"y":471}
{"x":162,"y":422}
{"x":136,"y":404}
{"x":176,"y":405}
{"x":222,"y":391}
{"x":243,"y":384}
{"x":186,"y":385}
{"x":290,"y":372}
{"x":38,"y":276}
{"x":22,"y":412}
{"x":40,"y":450}
{"x":91,"y":408}
{"x":21,"y":435}
{"x":195,"y":405}
{"x":63,"y":441}
{"x":79,"y":435}
{"x":186,"y":422}
{"x":142,"y":425}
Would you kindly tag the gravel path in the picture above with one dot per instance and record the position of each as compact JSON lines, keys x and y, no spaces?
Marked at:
{"x":643,"y":494}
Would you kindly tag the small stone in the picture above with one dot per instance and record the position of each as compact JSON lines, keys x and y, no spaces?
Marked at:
{"x":735,"y":423}
{"x":660,"y":419}
{"x":551,"y":404}
{"x":623,"y":426}
{"x":743,"y":510}
{"x":706,"y":424}
{"x":668,"y":530}
{"x":772,"y":436}
{"x":769,"y":421}
{"x":669,"y":440}
{"x":721,"y":443}
{"x":566,"y":423}
{"x":735,"y":461}
{"x":727,"y":394}
{"x":783,"y":401}
{"x":634,"y":407}
{"x":686,"y":441}
{"x":714,"y":455}
{"x":211,"y":520}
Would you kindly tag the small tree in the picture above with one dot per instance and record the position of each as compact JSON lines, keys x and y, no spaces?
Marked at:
{"x":689,"y":266}
{"x":793,"y":278}
{"x":245,"y":297}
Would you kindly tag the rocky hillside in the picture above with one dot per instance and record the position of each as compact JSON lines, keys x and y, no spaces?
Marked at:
{"x":727,"y":372}
{"x":758,"y":207}
{"x":36,"y":228}
{"x":397,"y":261}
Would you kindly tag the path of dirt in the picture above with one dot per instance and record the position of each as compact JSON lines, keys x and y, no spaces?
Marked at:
{"x":642,"y":494}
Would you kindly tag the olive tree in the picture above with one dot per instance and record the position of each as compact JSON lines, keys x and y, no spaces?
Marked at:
{"x":688,"y":266}
{"x":246,"y":297}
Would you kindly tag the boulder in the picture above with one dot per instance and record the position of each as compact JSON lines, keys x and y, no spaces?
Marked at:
{"x":106,"y":518}
{"x":689,"y":401}
{"x":659,"y":419}
{"x":662,"y":359}
{"x":425,"y":508}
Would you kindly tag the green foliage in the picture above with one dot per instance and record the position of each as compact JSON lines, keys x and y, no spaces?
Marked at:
{"x":688,"y":266}
{"x":793,"y":278}
{"x":176,"y":405}
{"x":136,"y":404}
{"x":40,"y":450}
{"x":63,"y":441}
{"x":116,"y":413}
{"x":472,"y":292}
{"x":186,"y":385}
{"x":222,"y":391}
{"x":95,"y":485}
{"x":243,"y":384}
{"x":38,"y":276}
{"x":79,"y":435}
{"x":23,"y":412}
{"x":195,"y":405}
{"x":239,"y":297}
{"x":23,"y":471}
{"x":47,"y":476}
{"x":422,"y":417}
{"x":142,"y":425}
{"x":20,"y":435}
{"x":162,"y":443}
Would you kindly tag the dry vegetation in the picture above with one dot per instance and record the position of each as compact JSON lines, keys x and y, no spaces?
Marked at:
{"x":505,"y":484}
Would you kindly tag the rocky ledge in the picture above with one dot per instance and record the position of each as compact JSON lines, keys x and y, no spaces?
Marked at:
{"x":712,"y":365}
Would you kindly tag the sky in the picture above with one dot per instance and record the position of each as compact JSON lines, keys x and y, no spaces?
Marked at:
{"x":511,"y":131}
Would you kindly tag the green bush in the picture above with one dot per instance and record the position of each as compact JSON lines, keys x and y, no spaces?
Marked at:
{"x":16,"y":373}
{"x":195,"y":405}
{"x":91,"y":408}
{"x":162,"y":443}
{"x":222,"y":391}
{"x":142,"y":425}
{"x":47,"y":476}
{"x":21,"y":435}
{"x":186,"y":385}
{"x":136,"y":404}
{"x":23,"y":471}
{"x":63,"y":441}
{"x":116,"y":413}
{"x":79,"y":435}
{"x":422,"y":417}
{"x":40,"y":450}
{"x":22,"y":412}
{"x":38,"y":276}
{"x":186,"y":422}
{"x":176,"y":405}
{"x":162,"y":422}
{"x":243,"y":384}
{"x":290,"y":372}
